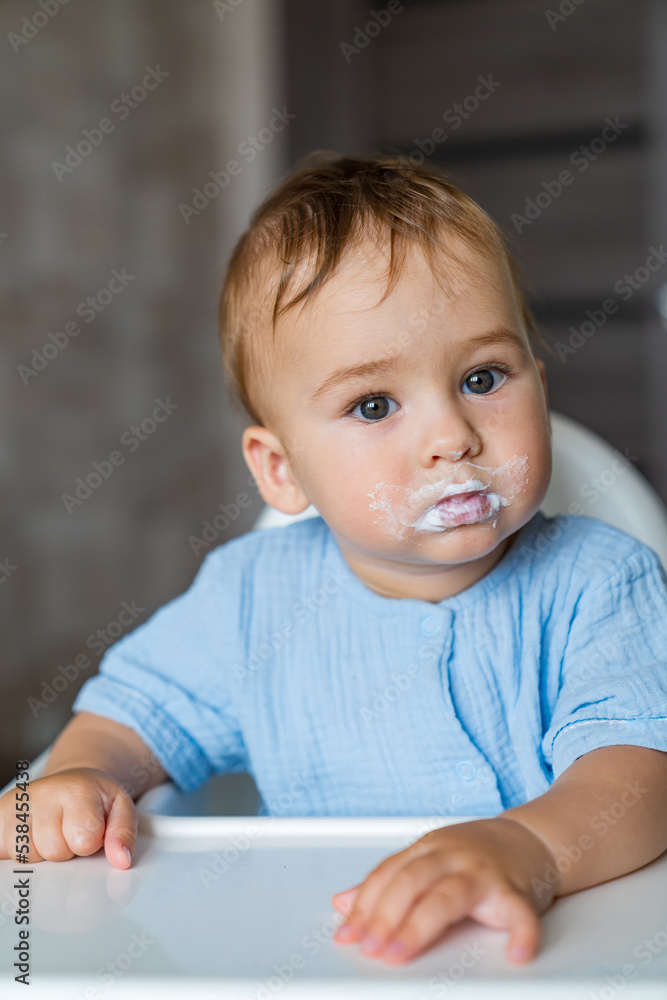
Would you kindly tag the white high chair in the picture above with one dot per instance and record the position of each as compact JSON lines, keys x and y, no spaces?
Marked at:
{"x":222,"y":902}
{"x":587,"y":471}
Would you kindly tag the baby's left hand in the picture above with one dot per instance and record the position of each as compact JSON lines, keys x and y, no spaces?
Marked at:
{"x":480,"y":869}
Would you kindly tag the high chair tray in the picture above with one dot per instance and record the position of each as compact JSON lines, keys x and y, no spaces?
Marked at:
{"x":238,"y":907}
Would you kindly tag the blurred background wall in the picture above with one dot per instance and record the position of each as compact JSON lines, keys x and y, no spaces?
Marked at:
{"x":114,"y":236}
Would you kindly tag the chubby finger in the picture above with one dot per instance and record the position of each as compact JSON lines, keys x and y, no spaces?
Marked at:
{"x":446,"y":901}
{"x":47,"y":836}
{"x":397,"y":898}
{"x":121,"y":831}
{"x":83,"y":824}
{"x":342,"y":901}
{"x":353,"y":927}
{"x":506,"y":909}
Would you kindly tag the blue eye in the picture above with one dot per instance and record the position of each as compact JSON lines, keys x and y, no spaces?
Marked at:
{"x":481,"y":381}
{"x":375,"y":408}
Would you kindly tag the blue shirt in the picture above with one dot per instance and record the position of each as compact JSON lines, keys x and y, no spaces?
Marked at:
{"x":279,"y":661}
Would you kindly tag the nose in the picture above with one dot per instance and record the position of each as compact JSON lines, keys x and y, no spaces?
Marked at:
{"x":448,"y":433}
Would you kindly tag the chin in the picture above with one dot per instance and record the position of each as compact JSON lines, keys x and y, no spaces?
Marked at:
{"x":474,"y":540}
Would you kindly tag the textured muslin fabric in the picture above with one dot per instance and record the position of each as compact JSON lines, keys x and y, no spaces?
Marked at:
{"x":339,"y":701}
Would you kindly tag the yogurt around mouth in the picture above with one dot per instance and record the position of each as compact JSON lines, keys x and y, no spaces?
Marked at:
{"x":452,"y":504}
{"x":464,"y":508}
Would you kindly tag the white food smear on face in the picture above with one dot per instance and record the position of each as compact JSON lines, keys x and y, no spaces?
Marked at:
{"x":399,"y":506}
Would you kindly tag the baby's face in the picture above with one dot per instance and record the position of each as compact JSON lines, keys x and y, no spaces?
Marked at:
{"x":456,"y":402}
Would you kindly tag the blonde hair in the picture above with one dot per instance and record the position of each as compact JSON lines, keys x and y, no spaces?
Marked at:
{"x":325,"y":206}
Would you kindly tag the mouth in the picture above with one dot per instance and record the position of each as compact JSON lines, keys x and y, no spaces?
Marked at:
{"x":460,"y":497}
{"x":473,"y":485}
{"x":463,"y":508}
{"x":461,"y":503}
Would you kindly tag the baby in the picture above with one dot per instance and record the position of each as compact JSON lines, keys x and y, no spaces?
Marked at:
{"x":431,"y":644}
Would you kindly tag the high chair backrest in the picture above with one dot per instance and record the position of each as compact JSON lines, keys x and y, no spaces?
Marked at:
{"x":588,"y":472}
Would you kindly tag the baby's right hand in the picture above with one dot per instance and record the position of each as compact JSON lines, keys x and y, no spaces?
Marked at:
{"x":75,"y":811}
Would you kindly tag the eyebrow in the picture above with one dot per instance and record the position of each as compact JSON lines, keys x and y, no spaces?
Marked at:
{"x":503,"y":335}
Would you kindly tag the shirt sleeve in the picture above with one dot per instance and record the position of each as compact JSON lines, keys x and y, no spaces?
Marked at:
{"x":613,"y":674}
{"x":171,"y":679}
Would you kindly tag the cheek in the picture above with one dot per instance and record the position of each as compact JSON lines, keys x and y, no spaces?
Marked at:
{"x":512,"y":478}
{"x":364,"y":478}
{"x":519,"y":425}
{"x":390,"y":509}
{"x":527,"y":440}
{"x":338,"y":481}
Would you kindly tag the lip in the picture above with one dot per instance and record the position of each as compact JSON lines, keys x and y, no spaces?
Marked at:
{"x":462,"y":496}
{"x":469,"y":487}
{"x":468,"y":502}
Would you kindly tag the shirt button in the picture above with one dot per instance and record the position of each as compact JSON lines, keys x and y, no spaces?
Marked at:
{"x":429,"y":625}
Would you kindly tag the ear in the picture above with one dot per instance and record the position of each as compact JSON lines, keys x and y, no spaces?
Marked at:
{"x":540,"y":368}
{"x":265,"y":457}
